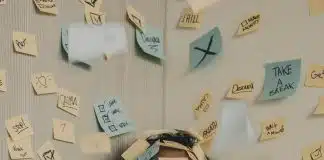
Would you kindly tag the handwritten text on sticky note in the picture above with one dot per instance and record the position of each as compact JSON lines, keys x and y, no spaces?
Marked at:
{"x":249,"y":24}
{"x":19,"y":127}
{"x":203,"y":105}
{"x":21,"y":149}
{"x":43,"y":83}
{"x":63,"y":130}
{"x":151,"y":42}
{"x":46,"y":6}
{"x":94,"y":17}
{"x":209,"y":131}
{"x":272,"y":129}
{"x":313,"y":152}
{"x":315,"y":76}
{"x":48,"y":152}
{"x":68,"y":102}
{"x":241,"y":89}
{"x":25,"y":43}
{"x":189,"y":19}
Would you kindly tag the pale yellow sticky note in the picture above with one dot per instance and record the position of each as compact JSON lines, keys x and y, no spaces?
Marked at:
{"x":93,"y":16}
{"x":19,"y":127}
{"x":189,"y":19}
{"x":207,"y":129}
{"x":3,"y":81}
{"x":135,"y":150}
{"x":2,"y":2}
{"x":272,"y":129}
{"x":95,"y":143}
{"x":316,"y":7}
{"x":313,"y":152}
{"x":320,"y":106}
{"x":203,"y":105}
{"x":63,"y":130}
{"x":21,"y":149}
{"x":315,"y":76}
{"x":93,"y":4}
{"x":241,"y":89}
{"x":136,"y":18}
{"x":68,"y":102}
{"x":46,"y":6}
{"x":25,"y":43}
{"x":48,"y":152}
{"x":43,"y":83}
{"x":250,"y":24}
{"x":198,"y":5}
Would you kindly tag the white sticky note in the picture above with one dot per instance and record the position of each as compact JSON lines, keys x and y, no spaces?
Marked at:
{"x":19,"y":127}
{"x":3,"y":81}
{"x":63,"y":130}
{"x":21,"y":149}
{"x":43,"y":83}
{"x":25,"y":43}
{"x":48,"y":152}
{"x":87,"y":42}
{"x":95,"y":143}
{"x":68,"y":101}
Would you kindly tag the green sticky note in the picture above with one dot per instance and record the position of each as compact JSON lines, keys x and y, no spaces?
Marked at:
{"x":151,"y":42}
{"x":205,"y":48}
{"x":281,"y":79}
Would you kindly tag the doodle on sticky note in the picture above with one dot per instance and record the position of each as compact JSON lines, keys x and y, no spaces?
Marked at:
{"x":313,"y":152}
{"x":93,"y":16}
{"x":112,"y":119}
{"x":43,"y":83}
{"x":19,"y":127}
{"x":281,"y":79}
{"x":69,"y":102}
{"x":25,"y":43}
{"x":48,"y":152}
{"x":151,"y":42}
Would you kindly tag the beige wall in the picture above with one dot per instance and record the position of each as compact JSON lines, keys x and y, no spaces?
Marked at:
{"x":135,"y":79}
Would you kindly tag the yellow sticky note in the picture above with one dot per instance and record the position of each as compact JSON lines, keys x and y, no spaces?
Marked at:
{"x":21,"y":149}
{"x":19,"y":127}
{"x":203,"y":105}
{"x":25,"y":43}
{"x":63,"y":130}
{"x":68,"y":102}
{"x":313,"y":152}
{"x":248,"y":25}
{"x":320,"y":106}
{"x":315,"y":76}
{"x":207,"y":129}
{"x":43,"y":83}
{"x":135,"y":150}
{"x":93,"y":16}
{"x":48,"y":152}
{"x":198,"y":5}
{"x":95,"y":143}
{"x":241,"y":89}
{"x":136,"y":18}
{"x":272,"y":129}
{"x":93,"y":4}
{"x":46,"y":6}
{"x":2,"y":2}
{"x":316,"y":7}
{"x":189,"y":19}
{"x":3,"y":81}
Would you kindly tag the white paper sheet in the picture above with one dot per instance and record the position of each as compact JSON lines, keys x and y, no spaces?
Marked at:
{"x":235,"y":131}
{"x":87,"y":42}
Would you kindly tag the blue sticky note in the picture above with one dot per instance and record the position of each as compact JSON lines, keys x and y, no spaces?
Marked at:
{"x":281,"y":79}
{"x":151,"y":42}
{"x":150,"y":152}
{"x":112,"y":119}
{"x":65,"y":38}
{"x":205,"y":48}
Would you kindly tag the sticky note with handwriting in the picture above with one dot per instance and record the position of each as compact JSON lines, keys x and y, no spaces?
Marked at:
{"x":203,"y":105}
{"x":112,"y":118}
{"x":271,"y":129}
{"x":95,"y":143}
{"x":249,"y":24}
{"x":313,"y":152}
{"x":19,"y":127}
{"x":315,"y":76}
{"x":25,"y":43}
{"x":43,"y":83}
{"x":207,"y":128}
{"x":189,"y":19}
{"x":68,"y":101}
{"x":281,"y":79}
{"x":320,"y":106}
{"x":46,"y":6}
{"x":48,"y":152}
{"x":241,"y":89}
{"x":199,"y":5}
{"x":135,"y":150}
{"x":3,"y":80}
{"x":316,"y":7}
{"x":63,"y":130}
{"x":150,"y":152}
{"x":93,"y":16}
{"x":136,"y":18}
{"x":21,"y":149}
{"x":151,"y":42}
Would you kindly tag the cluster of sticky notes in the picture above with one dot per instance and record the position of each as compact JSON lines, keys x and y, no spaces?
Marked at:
{"x":112,"y":118}
{"x":92,"y":12}
{"x":84,"y":43}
